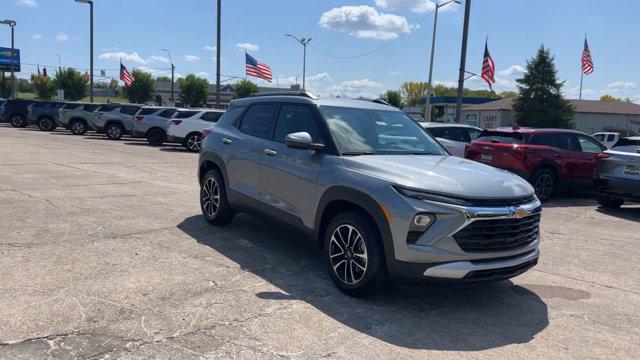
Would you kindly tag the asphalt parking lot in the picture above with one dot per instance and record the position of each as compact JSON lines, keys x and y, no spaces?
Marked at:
{"x":103,"y":254}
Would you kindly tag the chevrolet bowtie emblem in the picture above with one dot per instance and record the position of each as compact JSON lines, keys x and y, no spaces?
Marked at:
{"x":520,"y":213}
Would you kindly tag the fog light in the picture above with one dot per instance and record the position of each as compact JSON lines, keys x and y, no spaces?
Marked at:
{"x":421,"y":220}
{"x":419,"y":224}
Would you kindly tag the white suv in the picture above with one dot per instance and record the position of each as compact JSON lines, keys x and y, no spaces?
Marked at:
{"x":185,"y":127}
{"x":454,"y":137}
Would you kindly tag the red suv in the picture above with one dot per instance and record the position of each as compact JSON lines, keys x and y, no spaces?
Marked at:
{"x":547,"y":158}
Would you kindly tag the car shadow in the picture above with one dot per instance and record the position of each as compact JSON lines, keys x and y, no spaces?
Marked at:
{"x":631,"y":212}
{"x":439,"y":316}
{"x":178,"y":148}
{"x":571,"y":198}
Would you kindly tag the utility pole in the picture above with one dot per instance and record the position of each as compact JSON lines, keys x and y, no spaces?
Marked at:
{"x":12,"y":24}
{"x":304,"y":42}
{"x":433,"y":46}
{"x":173,"y":69}
{"x":218,"y":45}
{"x":463,"y":59}
{"x":90,"y":2}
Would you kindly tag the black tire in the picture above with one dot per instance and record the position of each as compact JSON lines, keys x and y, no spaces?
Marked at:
{"x":193,"y":142}
{"x":46,"y":124}
{"x":156,"y":137}
{"x":608,"y":202}
{"x":114,"y":131}
{"x":78,"y":127}
{"x":544,"y":182}
{"x":220,"y":213}
{"x":18,"y":121}
{"x":346,"y":267}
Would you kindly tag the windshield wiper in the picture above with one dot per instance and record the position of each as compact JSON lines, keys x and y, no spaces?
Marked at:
{"x":363,"y":152}
{"x":424,"y":153}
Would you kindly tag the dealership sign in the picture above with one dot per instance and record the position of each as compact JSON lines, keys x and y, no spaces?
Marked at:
{"x":5,"y":59}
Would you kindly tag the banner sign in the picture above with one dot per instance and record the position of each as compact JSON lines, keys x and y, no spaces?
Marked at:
{"x":5,"y":59}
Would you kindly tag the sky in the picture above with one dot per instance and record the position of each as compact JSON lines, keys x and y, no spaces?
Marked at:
{"x":136,"y":31}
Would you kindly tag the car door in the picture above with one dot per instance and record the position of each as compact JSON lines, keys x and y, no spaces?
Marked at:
{"x":288,"y":176}
{"x":586,"y":157}
{"x":245,"y":146}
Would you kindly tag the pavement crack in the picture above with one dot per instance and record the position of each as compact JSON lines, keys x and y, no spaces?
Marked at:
{"x":587,"y":281}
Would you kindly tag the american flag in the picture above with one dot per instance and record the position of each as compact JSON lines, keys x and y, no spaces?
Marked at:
{"x":587,"y":62}
{"x":125,"y":75}
{"x":488,"y":68}
{"x":257,"y":69}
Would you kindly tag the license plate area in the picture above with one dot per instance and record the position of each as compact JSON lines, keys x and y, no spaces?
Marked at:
{"x":631,"y":171}
{"x":487,"y":158}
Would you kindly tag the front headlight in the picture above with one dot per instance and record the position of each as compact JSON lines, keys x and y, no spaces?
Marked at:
{"x":422,"y":195}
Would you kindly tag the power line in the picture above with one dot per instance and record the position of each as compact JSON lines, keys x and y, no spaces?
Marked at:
{"x":413,"y":27}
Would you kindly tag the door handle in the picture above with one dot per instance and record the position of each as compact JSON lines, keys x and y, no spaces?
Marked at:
{"x":270,"y":152}
{"x":226,"y":141}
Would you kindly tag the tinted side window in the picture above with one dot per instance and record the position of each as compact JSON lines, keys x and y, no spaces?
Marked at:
{"x":129,"y":110}
{"x":71,"y":106}
{"x":184,"y":114}
{"x":258,"y":120}
{"x":90,"y":108}
{"x":600,"y":137}
{"x":544,"y":140}
{"x":610,"y":137}
{"x":230,"y":118}
{"x":296,"y":118}
{"x":454,"y":134}
{"x":147,"y":111}
{"x":589,"y":145}
{"x":167,"y":113}
{"x":211,"y":116}
{"x":107,"y":108}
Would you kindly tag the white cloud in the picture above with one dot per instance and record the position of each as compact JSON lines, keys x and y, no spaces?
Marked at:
{"x":364,"y":22}
{"x":587,"y":93}
{"x":158,"y":58}
{"x":248,"y":47}
{"x":62,"y":37}
{"x":124,"y":56}
{"x":621,"y":86}
{"x":447,"y":83}
{"x":210,"y":48}
{"x":147,"y":70}
{"x":202,"y":74}
{"x":418,"y":6}
{"x":191,"y":58}
{"x":28,"y":3}
{"x":36,"y":36}
{"x":355,"y":88}
{"x":512,"y":70}
{"x":313,"y":79}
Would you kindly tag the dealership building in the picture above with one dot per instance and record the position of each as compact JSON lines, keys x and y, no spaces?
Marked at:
{"x":591,"y":115}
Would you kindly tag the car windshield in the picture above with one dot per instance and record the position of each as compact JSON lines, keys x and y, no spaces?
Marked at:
{"x":379,"y":132}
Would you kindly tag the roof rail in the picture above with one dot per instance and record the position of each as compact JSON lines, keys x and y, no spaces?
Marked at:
{"x":285,"y":93}
{"x":380,"y":101}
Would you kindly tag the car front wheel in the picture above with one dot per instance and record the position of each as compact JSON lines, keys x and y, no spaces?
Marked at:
{"x":114,"y":131}
{"x":354,"y":254}
{"x":46,"y":124}
{"x":193,"y":142}
{"x":213,"y":199}
{"x":544,"y":182}
{"x":18,"y":121}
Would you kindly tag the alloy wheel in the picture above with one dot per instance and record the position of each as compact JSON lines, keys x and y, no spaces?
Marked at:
{"x":77,"y":128}
{"x":114,"y":132}
{"x":45,"y":124}
{"x":211,"y":197}
{"x":194,"y":142}
{"x":544,"y":185}
{"x":348,"y":254}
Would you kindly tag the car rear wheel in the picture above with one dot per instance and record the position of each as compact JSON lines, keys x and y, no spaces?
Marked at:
{"x":193,"y":142}
{"x":609,"y":202}
{"x":213,"y":199}
{"x":18,"y":120}
{"x":46,"y":124}
{"x":354,"y":254}
{"x":114,"y":131}
{"x":78,"y":127}
{"x":544,"y":182}
{"x":156,"y":137}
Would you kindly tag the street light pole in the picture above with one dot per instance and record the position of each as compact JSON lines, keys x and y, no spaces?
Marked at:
{"x":433,"y":46}
{"x":12,"y":24}
{"x":173,"y":69}
{"x":463,"y":59}
{"x":218,"y":45}
{"x":90,"y":2}
{"x":304,"y":42}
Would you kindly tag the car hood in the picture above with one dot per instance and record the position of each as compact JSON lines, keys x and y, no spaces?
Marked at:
{"x":448,"y":175}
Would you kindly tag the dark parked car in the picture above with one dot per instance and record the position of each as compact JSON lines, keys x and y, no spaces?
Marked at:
{"x":618,"y":174}
{"x":546,"y":158}
{"x":45,"y":114}
{"x":16,"y":112}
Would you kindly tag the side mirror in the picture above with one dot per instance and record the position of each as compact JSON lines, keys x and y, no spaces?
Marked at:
{"x":302,"y":140}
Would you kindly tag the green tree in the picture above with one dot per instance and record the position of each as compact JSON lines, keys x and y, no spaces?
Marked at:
{"x":75,"y":86}
{"x":193,"y":90}
{"x":244,"y":88}
{"x":24,"y":85}
{"x":412,"y":93}
{"x":540,"y":102}
{"x":607,"y":97}
{"x":115,"y":87}
{"x":392,"y":97}
{"x":45,"y":88}
{"x":508,"y":94}
{"x":163,"y":78}
{"x":141,"y":89}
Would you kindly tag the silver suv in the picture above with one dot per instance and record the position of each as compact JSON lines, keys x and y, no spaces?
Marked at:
{"x":151,"y":122}
{"x":76,"y":117}
{"x":376,"y":192}
{"x":114,"y":120}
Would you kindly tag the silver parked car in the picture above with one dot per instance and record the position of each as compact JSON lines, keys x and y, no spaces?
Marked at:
{"x":618,"y":174}
{"x":151,"y":122}
{"x":378,"y":194}
{"x":76,"y":117}
{"x":114,"y":120}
